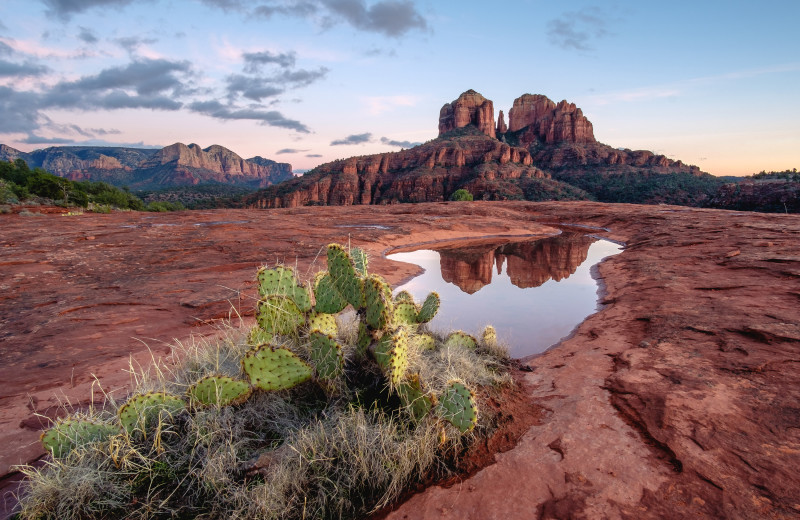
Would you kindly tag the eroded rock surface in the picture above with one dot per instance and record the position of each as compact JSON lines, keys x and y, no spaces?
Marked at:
{"x":677,"y":400}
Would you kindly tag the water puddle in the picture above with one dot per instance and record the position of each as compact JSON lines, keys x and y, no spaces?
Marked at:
{"x":364,"y":226}
{"x":534,"y":292}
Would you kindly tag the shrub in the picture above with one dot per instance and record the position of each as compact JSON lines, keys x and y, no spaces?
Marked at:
{"x":461,"y":194}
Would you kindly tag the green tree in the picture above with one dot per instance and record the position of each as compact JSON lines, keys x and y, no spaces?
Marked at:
{"x":461,"y":194}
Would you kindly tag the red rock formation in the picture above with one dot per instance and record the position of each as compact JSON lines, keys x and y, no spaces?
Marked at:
{"x":469,"y":108}
{"x":501,"y":124}
{"x":544,"y":120}
{"x":430,"y":172}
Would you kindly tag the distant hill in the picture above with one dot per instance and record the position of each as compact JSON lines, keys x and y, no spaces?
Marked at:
{"x":547,"y":151}
{"x":151,"y":169}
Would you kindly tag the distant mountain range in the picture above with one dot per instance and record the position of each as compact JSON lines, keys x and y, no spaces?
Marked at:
{"x":546,"y":151}
{"x":176,"y":165}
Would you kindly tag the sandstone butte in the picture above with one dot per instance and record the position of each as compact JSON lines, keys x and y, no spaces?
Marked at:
{"x":678,"y":399}
{"x":492,"y":160}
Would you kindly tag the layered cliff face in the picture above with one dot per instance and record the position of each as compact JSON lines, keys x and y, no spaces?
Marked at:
{"x":527,"y":264}
{"x":542,"y":119}
{"x":426,"y":173}
{"x":172,"y":166}
{"x":470,"y":108}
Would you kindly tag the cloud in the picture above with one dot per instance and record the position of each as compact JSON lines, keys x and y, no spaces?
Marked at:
{"x":265,"y":117}
{"x":87,"y":35}
{"x":35,"y":139}
{"x":389,"y":17}
{"x":353,"y":139}
{"x":575,"y":30}
{"x":257,"y":88}
{"x":6,"y":49}
{"x":11,"y":69}
{"x":314,"y":155}
{"x":254,"y":61}
{"x":19,"y":111}
{"x":133,"y":43}
{"x":64,"y":9}
{"x":289,"y":150}
{"x":401,"y":144}
{"x":145,"y":76}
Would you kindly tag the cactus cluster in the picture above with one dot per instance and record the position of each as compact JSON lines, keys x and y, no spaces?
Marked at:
{"x":289,"y":312}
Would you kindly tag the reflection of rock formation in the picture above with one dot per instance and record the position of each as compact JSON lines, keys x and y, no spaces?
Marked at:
{"x":528,"y":264}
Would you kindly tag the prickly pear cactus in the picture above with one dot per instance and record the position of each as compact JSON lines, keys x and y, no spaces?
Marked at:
{"x":457,"y":405}
{"x":69,"y":434}
{"x":143,"y":411}
{"x":423,"y":341}
{"x":460,"y":339}
{"x":405,"y":314}
{"x":414,"y":397}
{"x":344,"y":275}
{"x":359,"y":257}
{"x":378,"y":306}
{"x":489,"y":336}
{"x":327,"y":355}
{"x":281,"y":281}
{"x":275,"y":368}
{"x":322,"y":322}
{"x":403,"y":296}
{"x":391,"y":353}
{"x":329,"y":299}
{"x":258,"y":336}
{"x":429,"y":308}
{"x":279,"y":315}
{"x":218,"y":391}
{"x":364,"y":339}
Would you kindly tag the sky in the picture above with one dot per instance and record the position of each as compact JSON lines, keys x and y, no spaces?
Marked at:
{"x":712,"y":83}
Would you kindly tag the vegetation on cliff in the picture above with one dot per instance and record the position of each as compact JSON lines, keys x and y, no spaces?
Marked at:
{"x":20,"y":184}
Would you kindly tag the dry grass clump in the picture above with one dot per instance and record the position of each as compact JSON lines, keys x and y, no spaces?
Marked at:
{"x":315,"y":451}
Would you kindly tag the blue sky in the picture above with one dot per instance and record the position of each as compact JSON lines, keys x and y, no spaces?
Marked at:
{"x":712,"y":83}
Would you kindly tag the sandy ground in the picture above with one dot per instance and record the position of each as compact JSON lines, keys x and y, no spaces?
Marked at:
{"x":678,"y":399}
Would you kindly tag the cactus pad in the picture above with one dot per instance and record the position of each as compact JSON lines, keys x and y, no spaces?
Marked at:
{"x":279,"y":315}
{"x":219,"y":391}
{"x":327,"y":355}
{"x":414,"y":398}
{"x":460,"y":339}
{"x":364,"y":339}
{"x":281,"y":281}
{"x":405,"y":313}
{"x":429,"y":308}
{"x":275,"y":368}
{"x":322,"y":322}
{"x":258,"y":336}
{"x":379,"y":307}
{"x":391,"y":353}
{"x":457,"y":405}
{"x":142,"y":411}
{"x":344,"y":275}
{"x":72,"y":433}
{"x":423,"y":341}
{"x":329,"y":298}
{"x":360,"y":261}
{"x":489,"y":336}
{"x":403,"y":296}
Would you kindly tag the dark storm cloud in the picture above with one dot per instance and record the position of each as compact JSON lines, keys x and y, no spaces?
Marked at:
{"x":353,"y":139}
{"x":289,"y":150}
{"x":87,"y":35}
{"x":254,"y":61}
{"x":401,"y":144}
{"x":10,"y":69}
{"x":265,"y":117}
{"x":578,"y":30}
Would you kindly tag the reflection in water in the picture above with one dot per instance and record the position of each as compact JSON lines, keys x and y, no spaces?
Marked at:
{"x":533,"y":292}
